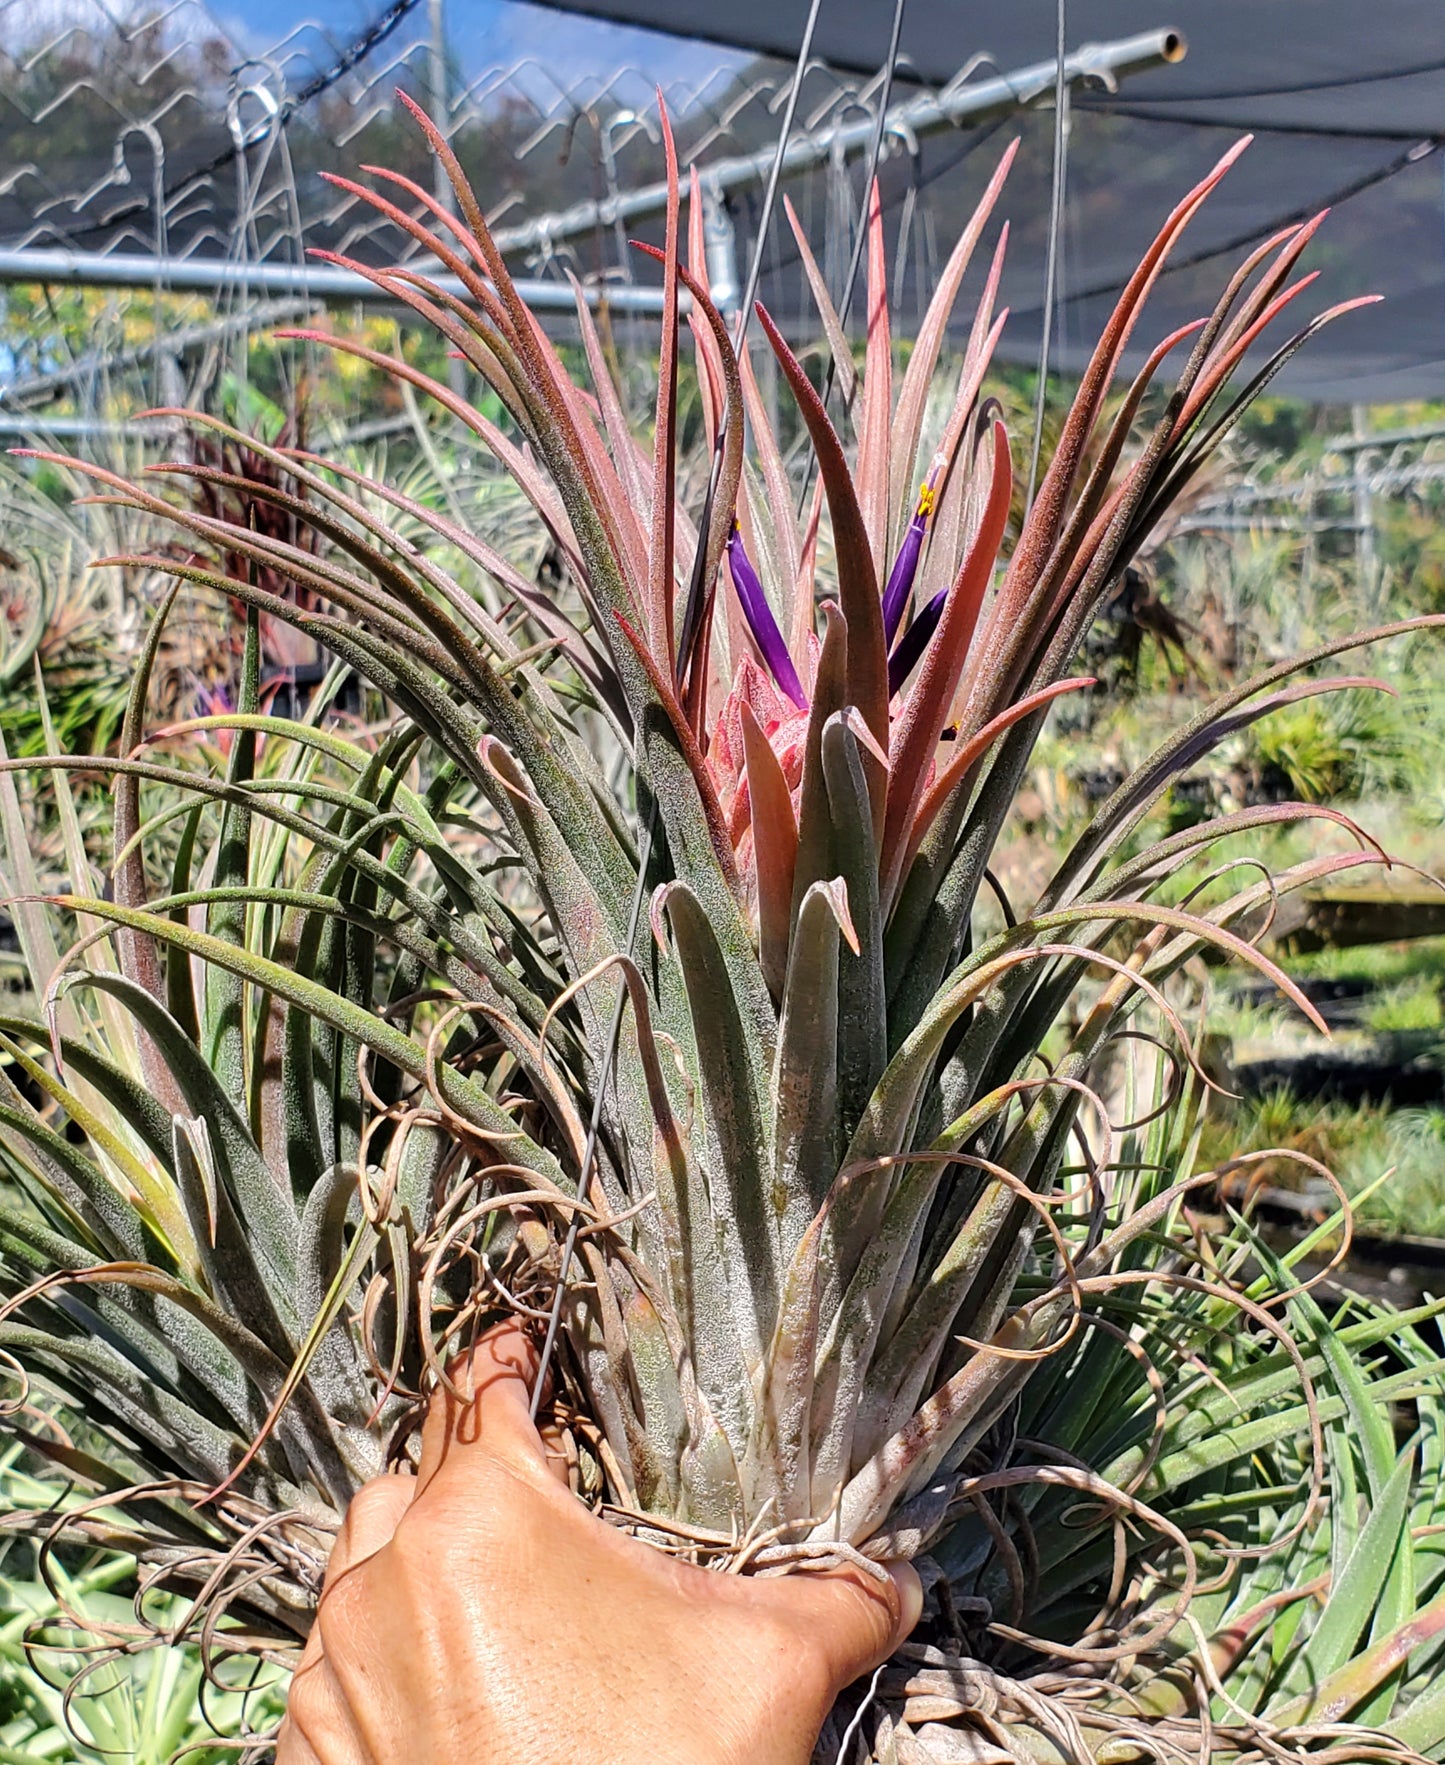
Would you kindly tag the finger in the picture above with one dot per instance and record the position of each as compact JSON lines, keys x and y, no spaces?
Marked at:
{"x":371,"y":1521}
{"x":490,"y":1407}
{"x":292,"y":1747}
{"x":319,"y":1722}
{"x":855,"y":1620}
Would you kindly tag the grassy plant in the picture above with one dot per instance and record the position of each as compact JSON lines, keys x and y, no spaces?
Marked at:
{"x":1411,"y":1005}
{"x":1391,"y":1158}
{"x":857,"y":1272}
{"x":73,"y":1685}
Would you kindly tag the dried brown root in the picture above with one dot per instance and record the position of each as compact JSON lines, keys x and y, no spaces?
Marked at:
{"x":930,"y":1707}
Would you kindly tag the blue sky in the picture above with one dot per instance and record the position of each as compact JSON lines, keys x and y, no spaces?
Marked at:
{"x":482,"y":33}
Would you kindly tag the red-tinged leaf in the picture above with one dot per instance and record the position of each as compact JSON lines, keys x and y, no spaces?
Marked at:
{"x":697,"y":231}
{"x":1340,"y":1692}
{"x":918,"y":376}
{"x":1187,"y":745}
{"x":815,"y":818}
{"x":1224,"y":364}
{"x":1047,"y":516}
{"x":729,"y":473}
{"x":778,"y":487}
{"x":484,"y":295}
{"x":1074,"y":555}
{"x":721,"y":659}
{"x":857,"y":579}
{"x":661,"y":559}
{"x":1290,"y":245}
{"x":876,"y":415}
{"x":940,"y":564}
{"x":775,"y":849}
{"x":529,"y":478}
{"x":846,"y":373}
{"x":709,"y":363}
{"x":1193,"y":924}
{"x":487,"y":351}
{"x":1269,"y":893}
{"x":476,"y":221}
{"x":1157,"y":857}
{"x":1022,"y":643}
{"x":1219,"y":329}
{"x":662,"y":686}
{"x":589,"y":661}
{"x":442,"y":214}
{"x":296,"y":461}
{"x":969,"y":752}
{"x":804,"y":589}
{"x":1103,"y":470}
{"x":597,"y":479}
{"x":550,"y":393}
{"x":1170,"y":485}
{"x":926,"y":708}
{"x":620,"y":439}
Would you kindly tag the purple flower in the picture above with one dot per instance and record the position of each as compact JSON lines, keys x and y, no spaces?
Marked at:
{"x":905,"y":565}
{"x":761,"y":622}
{"x":914,"y":641}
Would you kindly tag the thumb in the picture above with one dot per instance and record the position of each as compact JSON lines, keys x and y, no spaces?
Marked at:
{"x":483,"y":1409}
{"x":854,"y":1620}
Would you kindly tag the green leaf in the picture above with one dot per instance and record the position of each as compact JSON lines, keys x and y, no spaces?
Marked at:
{"x":862,"y":1011}
{"x":1355,"y":1591}
{"x":270,"y":1219}
{"x":1421,"y":1724}
{"x":804,"y":1083}
{"x":463,"y":1094}
{"x":223,"y":1024}
{"x":734,"y":1082}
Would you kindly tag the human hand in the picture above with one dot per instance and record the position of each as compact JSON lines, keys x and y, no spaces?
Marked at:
{"x":478,"y":1613}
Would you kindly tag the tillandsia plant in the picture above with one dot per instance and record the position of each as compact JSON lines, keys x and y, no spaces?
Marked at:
{"x":858,"y":1272}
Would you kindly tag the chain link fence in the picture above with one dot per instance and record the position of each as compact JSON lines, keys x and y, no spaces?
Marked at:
{"x":180,"y":160}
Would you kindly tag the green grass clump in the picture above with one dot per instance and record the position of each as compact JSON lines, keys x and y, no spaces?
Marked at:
{"x":74,"y":1688}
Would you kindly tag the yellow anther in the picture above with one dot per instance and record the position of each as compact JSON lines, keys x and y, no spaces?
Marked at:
{"x":927,"y":496}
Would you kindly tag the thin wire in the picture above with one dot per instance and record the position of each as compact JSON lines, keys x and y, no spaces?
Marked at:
{"x":770,"y":196}
{"x":875,"y":150}
{"x":692,"y":611}
{"x":691,"y":624}
{"x":1332,"y":200}
{"x":858,"y":1715}
{"x":369,"y":38}
{"x":1051,"y":263}
{"x":1333,"y":84}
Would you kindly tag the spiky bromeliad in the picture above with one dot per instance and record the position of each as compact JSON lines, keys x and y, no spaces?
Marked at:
{"x":331,"y":1083}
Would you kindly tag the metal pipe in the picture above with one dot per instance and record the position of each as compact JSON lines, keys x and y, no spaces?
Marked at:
{"x":929,"y":112}
{"x":926,"y":114}
{"x":81,"y":428}
{"x":1345,"y":444}
{"x":214,"y":275}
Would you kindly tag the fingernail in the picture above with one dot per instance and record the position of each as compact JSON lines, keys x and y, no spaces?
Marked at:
{"x":910,"y":1597}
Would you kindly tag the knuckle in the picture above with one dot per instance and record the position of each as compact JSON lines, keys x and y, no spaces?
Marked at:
{"x":377,"y":1504}
{"x":424,"y":1538}
{"x":372,"y":1497}
{"x":342,"y":1604}
{"x":302,"y":1705}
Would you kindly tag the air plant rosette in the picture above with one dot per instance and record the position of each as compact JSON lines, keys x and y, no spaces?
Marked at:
{"x":859,"y":1274}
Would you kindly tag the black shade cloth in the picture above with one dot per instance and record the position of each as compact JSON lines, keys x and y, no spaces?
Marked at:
{"x":1346,"y":100}
{"x":131,"y":129}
